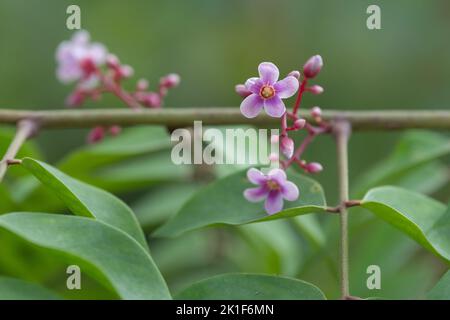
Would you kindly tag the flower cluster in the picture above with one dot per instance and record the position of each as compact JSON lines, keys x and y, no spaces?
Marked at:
{"x":267,"y":92}
{"x":96,"y":71}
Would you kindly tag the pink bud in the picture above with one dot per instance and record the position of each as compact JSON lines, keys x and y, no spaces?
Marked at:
{"x":96,"y":135}
{"x":316,"y":112}
{"x":126,"y":71}
{"x":75,"y":99}
{"x":313,"y":167}
{"x":170,"y":80}
{"x":295,"y":74}
{"x":315,"y":89}
{"x":274,"y":138}
{"x":142,"y":85}
{"x":299,"y":123}
{"x":313,"y":66}
{"x":115,"y":130}
{"x":152,"y":100}
{"x":273,"y":157}
{"x":112,"y":61}
{"x":287,"y":146}
{"x":242,"y":90}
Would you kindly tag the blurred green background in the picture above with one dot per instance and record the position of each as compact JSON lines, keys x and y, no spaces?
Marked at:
{"x":214,"y":45}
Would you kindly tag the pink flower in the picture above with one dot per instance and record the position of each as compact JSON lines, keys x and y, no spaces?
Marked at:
{"x":78,"y":58}
{"x":273,"y":187}
{"x":313,"y":66}
{"x":287,"y":146}
{"x":267,"y":92}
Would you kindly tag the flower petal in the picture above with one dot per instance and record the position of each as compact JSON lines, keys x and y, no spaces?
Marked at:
{"x":274,"y":202}
{"x":252,"y":105}
{"x":289,"y":191}
{"x":278,"y":175}
{"x":255,"y":176}
{"x":274,"y":107}
{"x":268,"y":72}
{"x":287,"y":87}
{"x":254,"y":85}
{"x":256,"y":194}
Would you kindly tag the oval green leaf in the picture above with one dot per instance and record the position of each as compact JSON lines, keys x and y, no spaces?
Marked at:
{"x":442,"y":289}
{"x":85,"y":200}
{"x":223,"y":203}
{"x":15,"y":289}
{"x":251,"y":287}
{"x":108,"y":254}
{"x":425,"y":220}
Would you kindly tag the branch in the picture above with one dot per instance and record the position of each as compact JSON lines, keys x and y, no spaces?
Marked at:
{"x":360,"y":120}
{"x":342,"y":131}
{"x":25,"y":130}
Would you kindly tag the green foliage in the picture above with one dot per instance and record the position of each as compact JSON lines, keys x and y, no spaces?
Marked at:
{"x":442,"y":289}
{"x":423,"y":219}
{"x":109,"y":255}
{"x":251,"y":287}
{"x":15,"y":289}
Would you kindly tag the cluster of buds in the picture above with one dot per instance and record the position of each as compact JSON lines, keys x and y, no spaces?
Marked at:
{"x":267,"y":92}
{"x":96,"y":71}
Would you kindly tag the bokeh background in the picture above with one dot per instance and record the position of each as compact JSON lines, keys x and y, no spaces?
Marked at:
{"x":215,"y":44}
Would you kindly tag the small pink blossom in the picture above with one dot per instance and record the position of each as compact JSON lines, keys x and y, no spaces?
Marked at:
{"x":78,"y":57}
{"x":287,"y":146}
{"x":313,"y":167}
{"x":274,"y":187}
{"x":268,"y":92}
{"x":316,"y":112}
{"x":315,"y":89}
{"x":313,"y":66}
{"x":96,"y":135}
{"x":169,"y":81}
{"x":299,"y":124}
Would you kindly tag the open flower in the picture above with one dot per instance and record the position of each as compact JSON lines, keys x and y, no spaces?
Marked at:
{"x":267,"y":92}
{"x":78,"y":58}
{"x":273,"y":187}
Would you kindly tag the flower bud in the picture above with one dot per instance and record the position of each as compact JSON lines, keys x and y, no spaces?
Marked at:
{"x":115,"y":130}
{"x":170,"y":80}
{"x":152,"y":100}
{"x":242,"y":90}
{"x":313,"y":167}
{"x":287,"y":146}
{"x":142,"y":85}
{"x":112,"y":61}
{"x":75,"y":99}
{"x":126,"y":71}
{"x":299,"y":124}
{"x":274,"y":138}
{"x":295,"y":74}
{"x":273,"y":157}
{"x":316,"y":112}
{"x":313,"y":66}
{"x":96,"y":135}
{"x":315,"y":89}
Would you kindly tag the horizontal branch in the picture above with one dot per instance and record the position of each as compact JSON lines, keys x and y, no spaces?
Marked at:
{"x":360,"y":120}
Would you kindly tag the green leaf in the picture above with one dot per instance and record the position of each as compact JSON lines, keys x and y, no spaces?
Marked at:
{"x":422,"y":218}
{"x":414,"y":149}
{"x":223,"y":203}
{"x":85,"y":200}
{"x":442,"y":289}
{"x":251,"y":287}
{"x":15,"y":289}
{"x":161,"y":203}
{"x":131,"y":142}
{"x":109,"y":255}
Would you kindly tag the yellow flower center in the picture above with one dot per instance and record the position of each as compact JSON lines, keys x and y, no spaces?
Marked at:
{"x":273,"y":185}
{"x":267,"y":92}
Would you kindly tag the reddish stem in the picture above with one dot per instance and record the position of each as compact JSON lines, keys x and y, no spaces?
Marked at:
{"x":299,"y":96}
